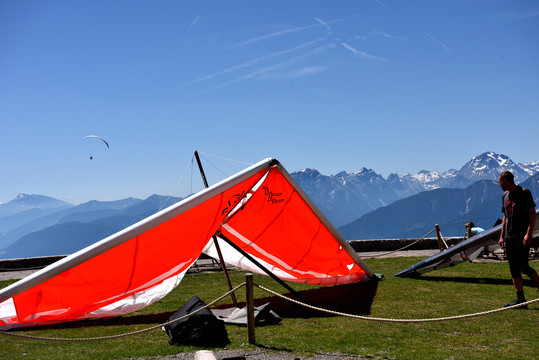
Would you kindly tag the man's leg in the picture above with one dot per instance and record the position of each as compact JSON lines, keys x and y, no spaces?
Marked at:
{"x":515,"y":258}
{"x":535,"y":278}
{"x":517,"y":283}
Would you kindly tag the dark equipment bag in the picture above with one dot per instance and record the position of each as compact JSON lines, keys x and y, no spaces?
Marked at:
{"x":202,"y":329}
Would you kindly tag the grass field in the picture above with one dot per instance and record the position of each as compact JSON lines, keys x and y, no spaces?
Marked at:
{"x":467,"y":288}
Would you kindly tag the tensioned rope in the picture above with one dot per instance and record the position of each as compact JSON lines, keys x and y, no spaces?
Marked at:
{"x":402,"y":248}
{"x":455,"y":317}
{"x":333,"y":312}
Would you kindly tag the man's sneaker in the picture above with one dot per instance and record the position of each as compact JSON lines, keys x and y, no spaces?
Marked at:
{"x":516,"y":302}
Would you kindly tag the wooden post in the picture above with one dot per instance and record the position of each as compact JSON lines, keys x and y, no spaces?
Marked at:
{"x":250,"y":304}
{"x":441,"y":244}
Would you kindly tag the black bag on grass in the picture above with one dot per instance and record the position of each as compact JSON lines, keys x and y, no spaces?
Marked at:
{"x":201,"y":329}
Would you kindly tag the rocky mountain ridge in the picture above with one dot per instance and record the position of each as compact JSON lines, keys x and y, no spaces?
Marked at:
{"x":345,"y":197}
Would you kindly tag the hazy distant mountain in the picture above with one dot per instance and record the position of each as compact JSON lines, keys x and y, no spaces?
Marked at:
{"x":72,"y":229}
{"x":15,"y":226}
{"x":61,"y":239}
{"x":411,"y":217}
{"x":25,"y":202}
{"x":345,"y":197}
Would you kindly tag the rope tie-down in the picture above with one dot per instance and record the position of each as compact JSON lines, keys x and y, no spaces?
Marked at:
{"x":251,"y":330}
{"x":402,"y":248}
{"x":128,"y":333}
{"x":370,"y":318}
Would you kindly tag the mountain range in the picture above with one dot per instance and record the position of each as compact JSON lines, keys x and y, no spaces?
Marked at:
{"x":345,"y":197}
{"x":450,"y":208}
{"x":47,"y":226}
{"x":362,"y":205}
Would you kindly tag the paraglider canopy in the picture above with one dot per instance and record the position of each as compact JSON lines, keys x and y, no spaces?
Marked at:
{"x":96,"y":137}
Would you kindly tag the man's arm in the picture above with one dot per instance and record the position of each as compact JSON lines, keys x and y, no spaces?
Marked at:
{"x":529,"y":234}
{"x":502,"y":233}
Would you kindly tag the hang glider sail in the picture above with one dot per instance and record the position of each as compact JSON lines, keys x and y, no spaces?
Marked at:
{"x":260,"y":210}
{"x":467,"y":250}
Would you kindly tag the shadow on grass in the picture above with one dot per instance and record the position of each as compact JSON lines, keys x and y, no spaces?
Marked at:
{"x":472,"y":280}
{"x":148,"y":319}
{"x":273,"y":348}
{"x":352,"y":299}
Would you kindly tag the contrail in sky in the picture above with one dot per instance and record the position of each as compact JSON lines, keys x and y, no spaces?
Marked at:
{"x":382,"y":4}
{"x":522,"y":15}
{"x":287,"y":31}
{"x":357,"y":52}
{"x":386,"y":35}
{"x":278,"y":33}
{"x":263,"y":71}
{"x":362,"y":54}
{"x":194,"y":22}
{"x":324,"y":24}
{"x":438,"y":41}
{"x":254,"y":61}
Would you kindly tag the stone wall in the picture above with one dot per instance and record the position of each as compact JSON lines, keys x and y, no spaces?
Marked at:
{"x":357,"y":245}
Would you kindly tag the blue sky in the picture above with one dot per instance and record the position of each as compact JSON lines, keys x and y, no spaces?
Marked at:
{"x":394,"y":86}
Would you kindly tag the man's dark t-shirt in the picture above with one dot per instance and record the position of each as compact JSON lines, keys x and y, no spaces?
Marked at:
{"x":516,"y":206}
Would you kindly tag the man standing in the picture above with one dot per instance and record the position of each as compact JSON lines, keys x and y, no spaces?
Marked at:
{"x":516,"y":236}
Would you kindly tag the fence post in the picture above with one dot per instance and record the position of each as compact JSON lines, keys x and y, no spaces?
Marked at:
{"x":441,"y":243}
{"x":250,"y":304}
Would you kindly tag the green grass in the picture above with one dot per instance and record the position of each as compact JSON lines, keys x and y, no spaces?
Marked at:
{"x":467,"y":288}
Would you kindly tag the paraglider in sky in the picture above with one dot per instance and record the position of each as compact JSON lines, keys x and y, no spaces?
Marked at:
{"x":97,"y":137}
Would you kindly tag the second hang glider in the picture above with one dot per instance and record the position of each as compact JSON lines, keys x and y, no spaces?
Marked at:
{"x":467,"y":250}
{"x":260,"y":210}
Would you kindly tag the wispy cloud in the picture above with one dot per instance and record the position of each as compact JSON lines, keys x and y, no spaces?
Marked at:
{"x":278,"y":69}
{"x":438,"y":42}
{"x":362,"y":54}
{"x":522,"y":15}
{"x":320,"y":22}
{"x":382,"y":4}
{"x":193,"y":23}
{"x":254,"y":61}
{"x":264,"y":72}
{"x":325,"y":24}
{"x":347,"y":46}
{"x":303,"y":72}
{"x":272,"y":35}
{"x":386,"y":35}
